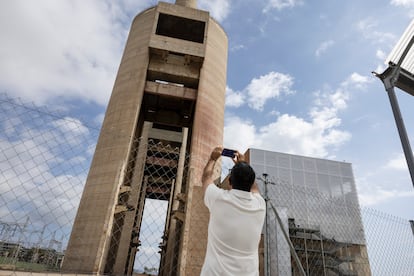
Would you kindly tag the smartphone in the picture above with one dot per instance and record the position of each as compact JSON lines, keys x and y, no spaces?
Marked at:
{"x":228,"y":152}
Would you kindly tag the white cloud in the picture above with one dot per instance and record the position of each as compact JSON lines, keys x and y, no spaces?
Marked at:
{"x":379,"y":195}
{"x":67,"y":49}
{"x":269,"y":86}
{"x":219,"y":9}
{"x":323,"y":47}
{"x":330,"y":102}
{"x":397,"y":163}
{"x":356,"y":81}
{"x":70,"y":125}
{"x":386,"y":181}
{"x":295,"y":135}
{"x":98,"y":120}
{"x":288,"y":133}
{"x":404,"y":3}
{"x":71,"y":130}
{"x":239,"y":134}
{"x":28,"y":182}
{"x":379,"y":187}
{"x":356,"y":78}
{"x":313,"y":136}
{"x":367,"y":24}
{"x":281,"y":4}
{"x":43,"y":167}
{"x":234,"y":98}
{"x":237,"y":47}
{"x":91,"y":149}
{"x":407,"y":5}
{"x":381,"y":54}
{"x":380,"y":68}
{"x":368,"y":28}
{"x":274,"y":113}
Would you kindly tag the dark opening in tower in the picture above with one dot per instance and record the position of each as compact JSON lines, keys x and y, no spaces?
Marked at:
{"x":180,"y":27}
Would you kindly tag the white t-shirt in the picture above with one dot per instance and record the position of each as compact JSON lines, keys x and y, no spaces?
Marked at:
{"x":236,"y":221}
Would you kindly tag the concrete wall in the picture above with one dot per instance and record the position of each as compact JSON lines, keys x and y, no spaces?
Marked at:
{"x":207,"y":133}
{"x":92,"y":228}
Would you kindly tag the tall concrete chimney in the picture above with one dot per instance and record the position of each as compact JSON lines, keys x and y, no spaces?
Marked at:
{"x":170,"y":88}
{"x":187,"y":3}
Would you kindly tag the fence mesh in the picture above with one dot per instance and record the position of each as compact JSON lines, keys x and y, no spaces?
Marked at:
{"x":44,"y":160}
{"x":44,"y":163}
{"x":323,"y":235}
{"x":390,"y":242}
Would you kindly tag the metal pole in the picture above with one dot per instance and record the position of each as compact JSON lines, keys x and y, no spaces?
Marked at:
{"x":389,"y":83}
{"x":389,"y":87}
{"x":323,"y":253}
{"x":402,"y":131}
{"x":306,"y":252}
{"x":285,"y":234}
{"x":292,"y":248}
{"x":266,"y":243}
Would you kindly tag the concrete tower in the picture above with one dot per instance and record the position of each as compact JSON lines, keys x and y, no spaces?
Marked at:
{"x":170,"y":86}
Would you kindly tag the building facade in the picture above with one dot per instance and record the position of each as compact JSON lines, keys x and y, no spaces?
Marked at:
{"x":317,"y":203}
{"x":167,"y":103}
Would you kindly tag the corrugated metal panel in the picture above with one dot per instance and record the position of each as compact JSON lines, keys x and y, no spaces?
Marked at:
{"x":394,"y":56}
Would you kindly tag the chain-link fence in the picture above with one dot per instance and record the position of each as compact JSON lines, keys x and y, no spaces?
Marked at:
{"x":44,"y":160}
{"x":390,"y":242}
{"x":310,"y":233}
{"x":156,"y":223}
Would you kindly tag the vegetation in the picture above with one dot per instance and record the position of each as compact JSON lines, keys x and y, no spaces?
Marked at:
{"x":16,"y":257}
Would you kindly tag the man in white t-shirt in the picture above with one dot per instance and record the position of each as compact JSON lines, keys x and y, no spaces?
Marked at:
{"x":236,"y":220}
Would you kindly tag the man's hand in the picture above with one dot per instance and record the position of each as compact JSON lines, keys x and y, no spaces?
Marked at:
{"x":238,"y":157}
{"x":207,"y":177}
{"x":216,"y":153}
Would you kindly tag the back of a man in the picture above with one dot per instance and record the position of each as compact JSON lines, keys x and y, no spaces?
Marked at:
{"x":236,"y":221}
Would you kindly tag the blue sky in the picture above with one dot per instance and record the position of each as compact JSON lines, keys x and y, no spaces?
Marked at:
{"x":298,"y":80}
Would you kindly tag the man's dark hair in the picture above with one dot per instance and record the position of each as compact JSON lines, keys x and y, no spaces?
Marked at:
{"x":242,"y":176}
